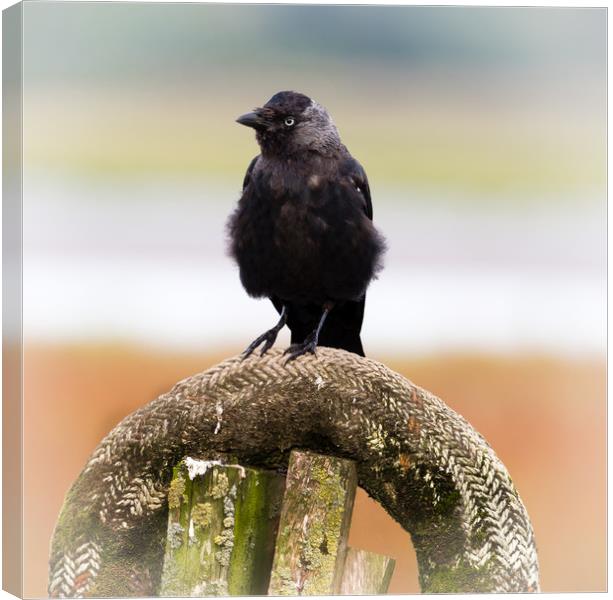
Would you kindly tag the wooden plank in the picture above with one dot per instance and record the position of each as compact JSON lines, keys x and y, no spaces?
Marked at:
{"x":312,"y":539}
{"x":222,"y":526}
{"x":366,"y":573}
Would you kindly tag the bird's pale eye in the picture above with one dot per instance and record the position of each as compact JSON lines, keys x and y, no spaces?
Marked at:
{"x":289,"y":121}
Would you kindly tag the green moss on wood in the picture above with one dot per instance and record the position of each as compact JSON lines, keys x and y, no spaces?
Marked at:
{"x":175,"y":492}
{"x":206,"y":561}
{"x":285,"y":585}
{"x":256,"y":519}
{"x":220,"y":489}
{"x":202,"y":513}
{"x":314,"y":525}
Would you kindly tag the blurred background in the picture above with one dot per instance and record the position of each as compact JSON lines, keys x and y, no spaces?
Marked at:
{"x":483,"y":133}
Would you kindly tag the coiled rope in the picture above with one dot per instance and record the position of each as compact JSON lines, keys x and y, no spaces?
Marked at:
{"x":424,"y":463}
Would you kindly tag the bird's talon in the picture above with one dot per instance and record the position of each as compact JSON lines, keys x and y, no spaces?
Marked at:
{"x":269,"y":338}
{"x":296,"y":350}
{"x":246,"y":354}
{"x":267,"y":346}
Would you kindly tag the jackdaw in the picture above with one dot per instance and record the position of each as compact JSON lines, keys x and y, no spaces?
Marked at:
{"x":302,"y":233}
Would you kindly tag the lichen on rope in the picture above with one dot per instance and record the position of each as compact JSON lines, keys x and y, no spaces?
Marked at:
{"x":425,"y":464}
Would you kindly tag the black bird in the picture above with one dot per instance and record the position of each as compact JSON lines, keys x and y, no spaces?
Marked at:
{"x":302,"y":233}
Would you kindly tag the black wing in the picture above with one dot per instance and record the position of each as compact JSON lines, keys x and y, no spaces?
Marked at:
{"x":353,"y":169}
{"x":247,"y":178}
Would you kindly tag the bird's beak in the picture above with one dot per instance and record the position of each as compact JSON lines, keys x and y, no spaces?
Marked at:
{"x":252,"y":119}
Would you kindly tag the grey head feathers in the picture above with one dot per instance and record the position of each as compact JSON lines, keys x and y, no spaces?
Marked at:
{"x":316,"y":130}
{"x":291,"y":123}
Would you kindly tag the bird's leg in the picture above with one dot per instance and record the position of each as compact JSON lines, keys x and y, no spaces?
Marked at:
{"x":310,"y":343}
{"x":268,"y":337}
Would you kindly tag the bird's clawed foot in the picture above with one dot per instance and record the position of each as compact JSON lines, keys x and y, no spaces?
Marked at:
{"x":310,"y":343}
{"x":268,"y":338}
{"x":308,"y":346}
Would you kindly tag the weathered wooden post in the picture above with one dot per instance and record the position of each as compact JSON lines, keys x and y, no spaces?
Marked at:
{"x":222,"y":525}
{"x":226,"y":523}
{"x":366,"y":573}
{"x":314,"y":527}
